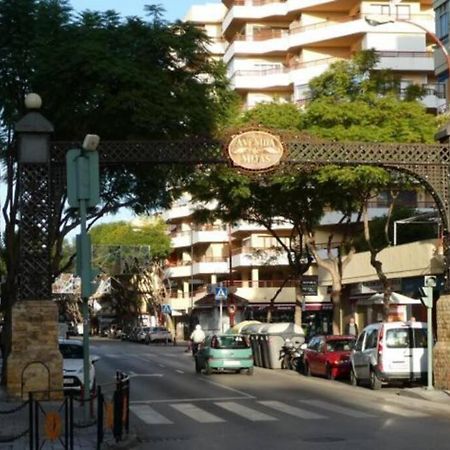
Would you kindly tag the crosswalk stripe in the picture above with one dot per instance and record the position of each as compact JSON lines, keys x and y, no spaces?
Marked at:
{"x":148,"y":415}
{"x":291,"y":410}
{"x":401,"y":411}
{"x":336,"y":408}
{"x":244,"y":411}
{"x":193,"y":412}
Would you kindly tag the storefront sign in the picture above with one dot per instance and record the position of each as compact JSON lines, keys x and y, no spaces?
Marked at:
{"x":255,"y":150}
{"x":309,"y":284}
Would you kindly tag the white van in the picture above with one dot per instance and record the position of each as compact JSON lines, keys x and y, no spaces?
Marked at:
{"x":390,"y":351}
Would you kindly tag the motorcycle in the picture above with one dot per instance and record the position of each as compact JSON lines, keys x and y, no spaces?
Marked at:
{"x":291,"y":356}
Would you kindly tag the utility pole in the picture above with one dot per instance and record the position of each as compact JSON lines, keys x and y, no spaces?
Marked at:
{"x":83,"y":192}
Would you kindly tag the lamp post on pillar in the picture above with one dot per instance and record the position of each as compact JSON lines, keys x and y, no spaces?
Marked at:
{"x":36,"y":339}
{"x":380,"y":20}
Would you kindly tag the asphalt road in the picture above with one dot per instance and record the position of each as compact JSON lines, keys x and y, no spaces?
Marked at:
{"x":174,"y":408}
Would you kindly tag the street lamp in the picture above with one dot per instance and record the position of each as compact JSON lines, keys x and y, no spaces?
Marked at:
{"x":83,"y":192}
{"x":376,"y":21}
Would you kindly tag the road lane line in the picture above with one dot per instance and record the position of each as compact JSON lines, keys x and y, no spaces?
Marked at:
{"x":148,"y":415}
{"x":179,"y":371}
{"x":245,"y":412}
{"x":227,"y":388}
{"x":337,"y":409}
{"x":292,"y":410}
{"x":195,"y":413}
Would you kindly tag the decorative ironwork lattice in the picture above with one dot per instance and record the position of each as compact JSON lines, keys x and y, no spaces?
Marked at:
{"x":35,"y":219}
{"x":427,"y":163}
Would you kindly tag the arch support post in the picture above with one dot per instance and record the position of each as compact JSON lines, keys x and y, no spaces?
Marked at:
{"x":34,"y":316}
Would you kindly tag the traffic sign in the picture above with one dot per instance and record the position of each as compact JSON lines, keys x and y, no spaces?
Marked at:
{"x":221,"y":293}
{"x":166,"y":309}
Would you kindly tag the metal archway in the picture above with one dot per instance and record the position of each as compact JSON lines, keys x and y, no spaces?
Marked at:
{"x":427,"y":163}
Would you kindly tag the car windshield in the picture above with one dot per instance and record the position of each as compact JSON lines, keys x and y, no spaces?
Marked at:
{"x":229,"y":342}
{"x":340,"y":345}
{"x":71,"y":351}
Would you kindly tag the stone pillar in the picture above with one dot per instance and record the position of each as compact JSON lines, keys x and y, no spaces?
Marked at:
{"x":35,"y":362}
{"x":441,"y":352}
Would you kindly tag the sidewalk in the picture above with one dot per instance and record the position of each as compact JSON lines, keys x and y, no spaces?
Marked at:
{"x":17,"y":422}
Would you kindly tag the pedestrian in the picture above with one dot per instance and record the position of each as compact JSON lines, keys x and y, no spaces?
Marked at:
{"x":351,"y":329}
{"x":197,"y":337}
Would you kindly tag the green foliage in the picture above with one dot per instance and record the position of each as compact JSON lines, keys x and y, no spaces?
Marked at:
{"x":282,"y":116}
{"x":123,"y":233}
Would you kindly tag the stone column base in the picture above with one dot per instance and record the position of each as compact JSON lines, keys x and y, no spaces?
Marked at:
{"x":441,"y":352}
{"x":35,"y":362}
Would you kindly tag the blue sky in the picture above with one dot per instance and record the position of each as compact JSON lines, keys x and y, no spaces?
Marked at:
{"x":175,"y":9}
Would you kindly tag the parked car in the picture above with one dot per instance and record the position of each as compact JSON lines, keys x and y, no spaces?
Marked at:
{"x":390,"y":351}
{"x":158,"y":334}
{"x":73,"y":364}
{"x":224,"y":352}
{"x":142,"y":333}
{"x":328,"y":356}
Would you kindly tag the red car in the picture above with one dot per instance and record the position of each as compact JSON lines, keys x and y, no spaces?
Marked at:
{"x":329,"y":356}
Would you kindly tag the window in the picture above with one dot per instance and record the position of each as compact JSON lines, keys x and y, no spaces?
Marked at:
{"x":343,"y":345}
{"x":420,"y":337}
{"x":442,"y":21}
{"x":372,"y":339}
{"x":397,"y":338}
{"x":229,"y":342}
{"x":402,"y":11}
{"x":71,"y":351}
{"x":381,"y":9}
{"x":359,"y":342}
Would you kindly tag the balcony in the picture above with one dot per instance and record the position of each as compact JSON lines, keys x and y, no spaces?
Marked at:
{"x":257,"y":257}
{"x":179,"y":269}
{"x":211,"y":265}
{"x":201,"y":235}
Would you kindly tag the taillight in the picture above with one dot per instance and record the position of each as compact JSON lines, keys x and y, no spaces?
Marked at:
{"x":380,"y":350}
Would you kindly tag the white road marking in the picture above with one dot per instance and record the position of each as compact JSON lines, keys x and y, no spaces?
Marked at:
{"x":181,"y":400}
{"x":291,"y":410}
{"x":195,"y":413}
{"x":148,"y":415}
{"x":245,"y":412}
{"x":161,"y":365}
{"x":134,"y":375}
{"x":336,"y":408}
{"x":179,"y":371}
{"x":402,"y":412}
{"x":227,"y":388}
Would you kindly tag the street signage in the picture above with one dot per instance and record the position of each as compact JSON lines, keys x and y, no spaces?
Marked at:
{"x":309,"y":284}
{"x":166,"y":309}
{"x":221,"y":293}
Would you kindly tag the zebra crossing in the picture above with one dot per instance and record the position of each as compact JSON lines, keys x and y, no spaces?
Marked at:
{"x":256,"y":411}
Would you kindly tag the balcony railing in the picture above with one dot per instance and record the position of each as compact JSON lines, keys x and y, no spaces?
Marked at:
{"x":274,"y":33}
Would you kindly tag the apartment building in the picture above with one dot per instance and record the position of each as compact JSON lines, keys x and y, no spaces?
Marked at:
{"x":273,"y":48}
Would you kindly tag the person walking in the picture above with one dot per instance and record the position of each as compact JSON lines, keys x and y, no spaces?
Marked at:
{"x":351,"y":329}
{"x":197,"y":337}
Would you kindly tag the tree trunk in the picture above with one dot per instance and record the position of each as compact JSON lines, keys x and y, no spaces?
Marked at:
{"x":298,"y":307}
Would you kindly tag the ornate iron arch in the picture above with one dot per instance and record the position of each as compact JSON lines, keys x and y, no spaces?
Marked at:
{"x":39,"y":182}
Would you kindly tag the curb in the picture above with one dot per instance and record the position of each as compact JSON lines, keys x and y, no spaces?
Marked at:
{"x":129,"y":442}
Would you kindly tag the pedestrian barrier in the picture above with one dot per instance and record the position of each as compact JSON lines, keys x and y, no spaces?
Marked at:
{"x":60,"y":422}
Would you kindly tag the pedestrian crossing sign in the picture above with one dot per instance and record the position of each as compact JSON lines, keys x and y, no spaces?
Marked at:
{"x":221,"y":293}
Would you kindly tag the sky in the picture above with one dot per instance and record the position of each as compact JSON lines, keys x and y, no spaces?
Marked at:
{"x":175,"y":9}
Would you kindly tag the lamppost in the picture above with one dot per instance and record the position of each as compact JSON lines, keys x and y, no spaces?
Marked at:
{"x":377,"y":20}
{"x":83,"y":192}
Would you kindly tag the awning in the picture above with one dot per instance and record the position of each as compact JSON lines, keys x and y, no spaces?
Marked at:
{"x":209,"y":301}
{"x":396,"y":299}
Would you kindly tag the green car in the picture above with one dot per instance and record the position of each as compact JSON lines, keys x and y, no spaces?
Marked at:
{"x":225,"y":352}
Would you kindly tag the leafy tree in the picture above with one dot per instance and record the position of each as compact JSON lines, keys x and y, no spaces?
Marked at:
{"x":119,"y":78}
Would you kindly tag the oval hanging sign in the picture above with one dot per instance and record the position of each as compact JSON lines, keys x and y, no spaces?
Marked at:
{"x":255,"y":150}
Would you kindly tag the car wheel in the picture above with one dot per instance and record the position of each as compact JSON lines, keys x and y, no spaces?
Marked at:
{"x":307,"y":370}
{"x":198,"y":369}
{"x":375,"y":382}
{"x":250,"y":371}
{"x":353,"y":379}
{"x":329,"y":372}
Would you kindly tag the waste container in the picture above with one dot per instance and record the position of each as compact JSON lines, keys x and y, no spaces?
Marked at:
{"x":274,"y":337}
{"x":252,"y":331}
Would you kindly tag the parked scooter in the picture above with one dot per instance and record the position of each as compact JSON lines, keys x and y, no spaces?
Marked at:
{"x":291,"y":356}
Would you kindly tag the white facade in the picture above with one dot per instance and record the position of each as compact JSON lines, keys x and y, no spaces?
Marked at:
{"x":273,"y":48}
